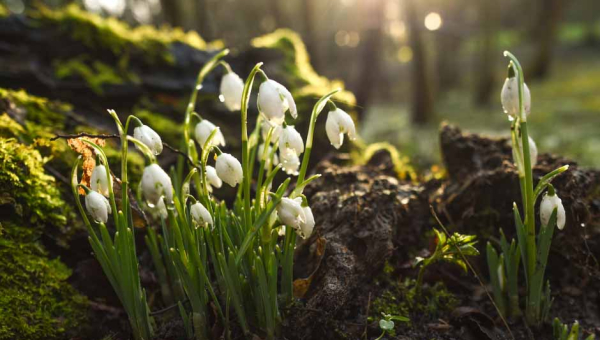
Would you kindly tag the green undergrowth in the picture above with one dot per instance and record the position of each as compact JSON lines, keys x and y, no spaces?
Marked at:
{"x":399,"y":298}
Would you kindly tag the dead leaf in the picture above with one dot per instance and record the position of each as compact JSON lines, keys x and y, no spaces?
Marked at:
{"x":301,"y":285}
{"x":87,"y":152}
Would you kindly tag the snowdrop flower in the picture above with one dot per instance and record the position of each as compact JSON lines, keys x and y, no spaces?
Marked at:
{"x":232,"y":87}
{"x":306,"y":228}
{"x":510,"y":97}
{"x":99,"y":182}
{"x":149,"y":137}
{"x":274,"y":100}
{"x":155,"y":184}
{"x":290,"y":162}
{"x":533,"y":152}
{"x":261,"y":150}
{"x":200,"y":215}
{"x":98,"y":206}
{"x":549,"y":203}
{"x":213,"y":179}
{"x":264,"y":130}
{"x":338,"y":123}
{"x":204,"y":129}
{"x":161,"y":208}
{"x":291,"y":141}
{"x":291,"y":213}
{"x":229,"y":169}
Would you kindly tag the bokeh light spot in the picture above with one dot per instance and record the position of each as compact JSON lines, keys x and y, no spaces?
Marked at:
{"x":405,"y":54}
{"x":433,"y":21}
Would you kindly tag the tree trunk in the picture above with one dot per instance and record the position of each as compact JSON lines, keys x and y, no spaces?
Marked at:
{"x":549,"y":18}
{"x":370,"y":53}
{"x":422,"y":93}
{"x":485,"y":68}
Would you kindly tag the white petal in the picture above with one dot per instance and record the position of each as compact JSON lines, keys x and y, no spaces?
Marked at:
{"x":200,"y":214}
{"x":510,"y":97}
{"x":232,"y":88}
{"x":99,"y":181}
{"x":213,"y":178}
{"x":229,"y":169}
{"x":291,"y":140}
{"x":97,"y":206}
{"x":203,"y":131}
{"x":149,"y":137}
{"x":155,"y":184}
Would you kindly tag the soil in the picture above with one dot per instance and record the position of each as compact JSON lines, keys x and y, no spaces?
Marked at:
{"x":372,"y":226}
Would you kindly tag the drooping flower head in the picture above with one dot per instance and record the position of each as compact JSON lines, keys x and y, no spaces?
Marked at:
{"x":200,"y":215}
{"x":149,"y":137}
{"x":290,"y":212}
{"x":99,"y":181}
{"x":98,"y":206}
{"x":339,"y":123}
{"x":229,"y":169}
{"x":291,"y":141}
{"x":290,"y":162}
{"x":232,"y":87}
{"x":203,"y":131}
{"x":550,"y":202}
{"x":213,"y":178}
{"x":264,"y":130}
{"x":155,"y":184}
{"x":510,"y":97}
{"x":274,"y":100}
{"x":307,"y":227}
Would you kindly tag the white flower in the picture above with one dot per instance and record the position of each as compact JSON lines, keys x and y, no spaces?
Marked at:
{"x":533,"y":152}
{"x":264,"y":130}
{"x":290,"y":140}
{"x":200,"y":214}
{"x":161,"y":208}
{"x":213,"y":179}
{"x":549,"y":203}
{"x":98,"y":206}
{"x":155,"y":184}
{"x":204,"y":129}
{"x":338,"y":123}
{"x":260,"y":153}
{"x":306,"y":227}
{"x":229,"y":169}
{"x":290,"y":162}
{"x":291,"y":213}
{"x":510,"y":97}
{"x":274,"y":100}
{"x":232,"y":87}
{"x":149,"y":137}
{"x":99,"y":181}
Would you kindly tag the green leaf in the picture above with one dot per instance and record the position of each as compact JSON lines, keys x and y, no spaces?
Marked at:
{"x":386,"y":325}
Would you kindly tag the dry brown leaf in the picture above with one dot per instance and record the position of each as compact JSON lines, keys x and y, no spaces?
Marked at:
{"x":87,"y":152}
{"x":301,"y":286}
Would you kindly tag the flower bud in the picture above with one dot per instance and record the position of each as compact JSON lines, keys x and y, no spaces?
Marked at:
{"x":200,"y":215}
{"x":203,"y":131}
{"x":549,"y":203}
{"x":291,"y":213}
{"x":232,"y":87}
{"x":229,"y":169}
{"x":155,"y":184}
{"x":533,"y":152}
{"x":99,"y":181}
{"x":274,"y":100}
{"x":213,"y":179}
{"x":149,"y":137}
{"x":338,"y":123}
{"x":290,"y":162}
{"x":291,"y":141}
{"x":98,"y":206}
{"x":306,"y":228}
{"x":510,"y":97}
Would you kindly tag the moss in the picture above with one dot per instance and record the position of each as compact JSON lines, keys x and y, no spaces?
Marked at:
{"x":116,"y":36}
{"x":3,"y":11}
{"x":34,"y":109}
{"x":94,"y":72}
{"x":306,"y":83}
{"x":400,"y":299}
{"x":37,"y":301}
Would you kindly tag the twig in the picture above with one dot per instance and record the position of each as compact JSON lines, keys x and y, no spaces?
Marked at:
{"x":166,"y":309}
{"x":116,"y":136}
{"x":474,"y":272}
{"x":84,"y":134}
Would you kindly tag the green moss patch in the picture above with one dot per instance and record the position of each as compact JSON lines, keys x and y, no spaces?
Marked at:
{"x":94,"y":72}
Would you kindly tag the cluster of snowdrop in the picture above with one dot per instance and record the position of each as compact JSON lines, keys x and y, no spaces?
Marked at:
{"x":527,"y":250}
{"x":250,"y":238}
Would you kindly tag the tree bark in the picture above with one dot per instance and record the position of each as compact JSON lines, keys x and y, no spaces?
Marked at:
{"x":422,"y":92}
{"x":550,"y":15}
{"x":370,"y":61}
